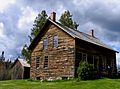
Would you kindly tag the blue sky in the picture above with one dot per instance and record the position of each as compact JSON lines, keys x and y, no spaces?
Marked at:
{"x":17,"y":16}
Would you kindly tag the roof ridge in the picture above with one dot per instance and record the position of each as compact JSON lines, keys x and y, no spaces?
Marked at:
{"x":77,"y":31}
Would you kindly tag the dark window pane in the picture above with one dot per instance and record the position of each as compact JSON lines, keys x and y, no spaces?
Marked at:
{"x":46,"y":62}
{"x":84,"y":56}
{"x":37,"y":62}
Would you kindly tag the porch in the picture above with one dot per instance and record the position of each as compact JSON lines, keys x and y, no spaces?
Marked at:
{"x":102,"y":64}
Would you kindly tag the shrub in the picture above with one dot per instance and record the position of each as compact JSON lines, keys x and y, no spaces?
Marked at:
{"x":86,"y":71}
{"x":112,"y":72}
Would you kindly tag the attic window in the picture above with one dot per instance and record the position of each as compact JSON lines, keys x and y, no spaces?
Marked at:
{"x":45,"y":43}
{"x":37,"y":62}
{"x":55,"y":41}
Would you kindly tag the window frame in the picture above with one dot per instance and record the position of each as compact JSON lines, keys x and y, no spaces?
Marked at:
{"x":84,"y":56}
{"x":55,"y":41}
{"x":37,"y":59}
{"x":45,"y":43}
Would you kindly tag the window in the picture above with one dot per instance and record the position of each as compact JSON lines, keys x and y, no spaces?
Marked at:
{"x":84,"y":56}
{"x":37,"y":62}
{"x":90,"y":59}
{"x":96,"y":61}
{"x":55,"y":41}
{"x":45,"y":43}
{"x":46,"y":62}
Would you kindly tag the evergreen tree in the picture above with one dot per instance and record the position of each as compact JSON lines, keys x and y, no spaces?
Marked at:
{"x":2,"y":58}
{"x":37,"y":26}
{"x":5,"y":68}
{"x":26,"y":53}
{"x":66,"y":19}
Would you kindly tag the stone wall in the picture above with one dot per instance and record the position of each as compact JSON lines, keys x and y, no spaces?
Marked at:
{"x":60,"y":60}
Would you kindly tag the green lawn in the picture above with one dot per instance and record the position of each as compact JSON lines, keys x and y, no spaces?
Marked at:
{"x":71,"y":84}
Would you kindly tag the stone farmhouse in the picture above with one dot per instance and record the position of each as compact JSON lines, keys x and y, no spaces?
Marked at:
{"x":57,"y":51}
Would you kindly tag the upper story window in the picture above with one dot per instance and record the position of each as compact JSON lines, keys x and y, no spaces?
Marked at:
{"x":55,"y":41}
{"x":46,"y":62}
{"x":37,"y":62}
{"x":45,"y":43}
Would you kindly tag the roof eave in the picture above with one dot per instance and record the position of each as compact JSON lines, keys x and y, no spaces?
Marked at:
{"x":31,"y":45}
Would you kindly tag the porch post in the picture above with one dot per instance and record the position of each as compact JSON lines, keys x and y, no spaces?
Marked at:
{"x":98,"y":64}
{"x":93,"y":61}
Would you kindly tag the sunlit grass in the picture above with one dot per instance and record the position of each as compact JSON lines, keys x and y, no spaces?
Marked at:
{"x":71,"y":84}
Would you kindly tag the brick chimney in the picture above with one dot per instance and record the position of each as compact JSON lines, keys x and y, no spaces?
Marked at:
{"x":92,"y":33}
{"x":53,"y":16}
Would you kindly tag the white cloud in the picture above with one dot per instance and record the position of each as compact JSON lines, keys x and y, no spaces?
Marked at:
{"x":108,"y":8}
{"x":4,"y":4}
{"x":94,"y":14}
{"x":115,"y":44}
{"x":2,"y":34}
{"x":60,"y":10}
{"x":27,"y":18}
{"x":7,"y":43}
{"x":12,"y":43}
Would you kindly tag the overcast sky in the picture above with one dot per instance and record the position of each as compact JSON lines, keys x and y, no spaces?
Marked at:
{"x":17,"y":16}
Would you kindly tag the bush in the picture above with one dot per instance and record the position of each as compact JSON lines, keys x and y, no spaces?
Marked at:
{"x":112,"y":72}
{"x":86,"y":71}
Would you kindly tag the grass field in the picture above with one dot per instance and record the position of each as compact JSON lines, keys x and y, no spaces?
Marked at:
{"x":64,"y":84}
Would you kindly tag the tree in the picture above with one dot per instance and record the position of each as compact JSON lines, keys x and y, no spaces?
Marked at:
{"x":2,"y":58}
{"x":37,"y":26}
{"x":26,"y":53}
{"x":5,"y":68}
{"x":66,"y":19}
